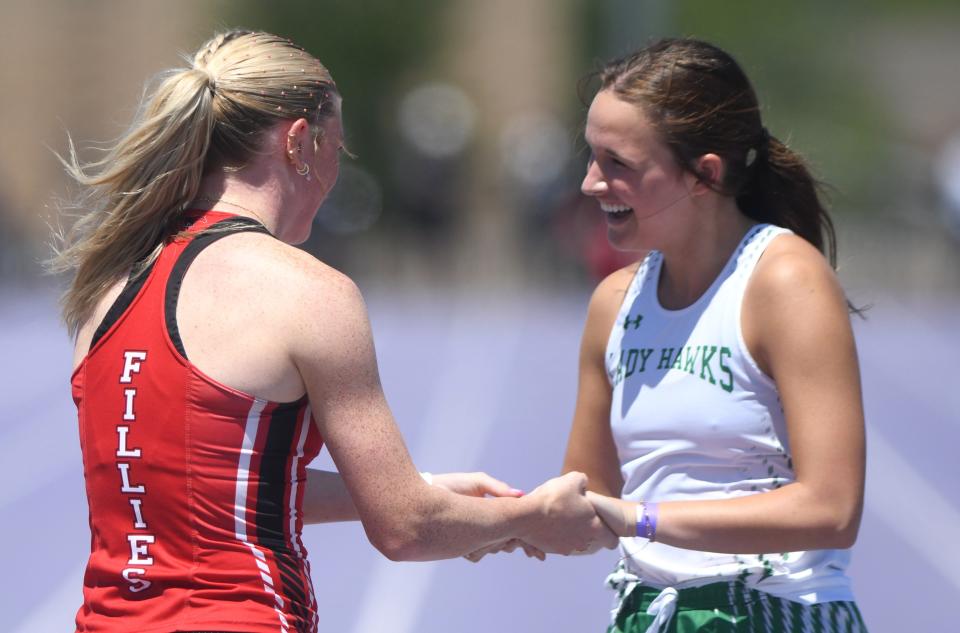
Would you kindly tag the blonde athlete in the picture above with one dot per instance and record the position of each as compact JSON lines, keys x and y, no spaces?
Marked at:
{"x":213,"y":359}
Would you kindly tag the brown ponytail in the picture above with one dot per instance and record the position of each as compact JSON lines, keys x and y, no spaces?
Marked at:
{"x":780,"y":190}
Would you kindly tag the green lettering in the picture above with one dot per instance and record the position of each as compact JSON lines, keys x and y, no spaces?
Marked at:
{"x":690,"y":362}
{"x":631,"y":365}
{"x":676,"y":361}
{"x":644,"y":355}
{"x":726,"y":386}
{"x":666,"y":354}
{"x":705,"y":363}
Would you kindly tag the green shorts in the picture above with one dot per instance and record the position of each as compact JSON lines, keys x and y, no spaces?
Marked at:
{"x":730,"y":607}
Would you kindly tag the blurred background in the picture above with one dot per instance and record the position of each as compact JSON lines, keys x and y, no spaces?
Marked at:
{"x":462,"y":222}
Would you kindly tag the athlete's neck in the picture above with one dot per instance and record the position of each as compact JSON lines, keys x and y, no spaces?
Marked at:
{"x":693,"y":261}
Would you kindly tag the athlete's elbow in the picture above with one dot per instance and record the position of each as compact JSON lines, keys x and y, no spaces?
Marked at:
{"x":846,"y":532}
{"x":399,"y":543}
{"x":831,"y":516}
{"x":847,"y":540}
{"x":834,"y":537}
{"x":392,"y":550}
{"x":404,"y":530}
{"x":841,"y":528}
{"x":393,"y":544}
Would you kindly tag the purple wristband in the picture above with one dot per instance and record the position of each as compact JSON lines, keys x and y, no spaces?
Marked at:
{"x":647,"y":520}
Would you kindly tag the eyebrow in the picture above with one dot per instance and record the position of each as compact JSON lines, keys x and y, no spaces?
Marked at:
{"x":607,"y":151}
{"x":618,"y":156}
{"x":614,"y":154}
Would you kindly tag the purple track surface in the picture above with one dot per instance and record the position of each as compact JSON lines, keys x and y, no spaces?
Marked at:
{"x":489,"y":384}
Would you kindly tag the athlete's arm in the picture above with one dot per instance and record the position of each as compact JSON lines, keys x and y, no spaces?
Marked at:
{"x":330,"y":343}
{"x":590,"y":447}
{"x":796,"y":325}
{"x":326,"y":499}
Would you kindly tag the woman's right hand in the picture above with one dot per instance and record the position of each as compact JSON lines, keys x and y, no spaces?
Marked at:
{"x":617,"y":514}
{"x":568,"y":522}
{"x":564,"y":519}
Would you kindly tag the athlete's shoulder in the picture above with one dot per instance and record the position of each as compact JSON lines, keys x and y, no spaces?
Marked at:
{"x":279,"y":268}
{"x":613,"y":288}
{"x":791,"y":264}
{"x":279,"y":284}
{"x":792,"y":282}
{"x":607,"y":298}
{"x":316,"y":284}
{"x":795,"y":311}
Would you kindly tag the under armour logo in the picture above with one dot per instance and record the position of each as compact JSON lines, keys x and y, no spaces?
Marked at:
{"x":636,"y":322}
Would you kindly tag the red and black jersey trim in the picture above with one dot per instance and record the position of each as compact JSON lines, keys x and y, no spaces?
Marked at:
{"x":273,"y":508}
{"x":130,"y":291}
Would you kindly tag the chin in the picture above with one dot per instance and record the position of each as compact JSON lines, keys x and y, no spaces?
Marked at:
{"x":626,"y":242}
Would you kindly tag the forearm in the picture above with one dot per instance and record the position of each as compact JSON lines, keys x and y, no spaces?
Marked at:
{"x":437,"y":524}
{"x":326,"y":499}
{"x":791,"y":518}
{"x":434,"y":524}
{"x":426,"y":534}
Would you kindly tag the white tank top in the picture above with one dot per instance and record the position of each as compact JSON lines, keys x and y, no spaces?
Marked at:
{"x":694,"y":417}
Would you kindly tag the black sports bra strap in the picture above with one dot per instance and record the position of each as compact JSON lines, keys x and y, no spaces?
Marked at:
{"x":130,"y":291}
{"x":196,"y":245}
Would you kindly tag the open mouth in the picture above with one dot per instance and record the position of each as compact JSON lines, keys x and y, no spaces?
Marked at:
{"x":615,"y":211}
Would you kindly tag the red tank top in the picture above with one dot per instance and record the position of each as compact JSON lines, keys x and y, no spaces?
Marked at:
{"x":195,"y":489}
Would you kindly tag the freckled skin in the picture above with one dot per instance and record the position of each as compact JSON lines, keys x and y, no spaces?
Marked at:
{"x":268,"y":319}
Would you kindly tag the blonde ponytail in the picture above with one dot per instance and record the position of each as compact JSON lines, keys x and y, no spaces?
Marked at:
{"x":207,"y":116}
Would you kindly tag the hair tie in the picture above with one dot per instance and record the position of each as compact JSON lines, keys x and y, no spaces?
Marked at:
{"x":761,"y":148}
{"x":211,"y":81}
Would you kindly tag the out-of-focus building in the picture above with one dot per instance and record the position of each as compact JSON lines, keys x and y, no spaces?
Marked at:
{"x":71,"y":66}
{"x":467,"y":120}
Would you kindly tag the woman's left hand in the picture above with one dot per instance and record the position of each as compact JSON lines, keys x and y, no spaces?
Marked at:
{"x":506,"y":546}
{"x":475,"y":485}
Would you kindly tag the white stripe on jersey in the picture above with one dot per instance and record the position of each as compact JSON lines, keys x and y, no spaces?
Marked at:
{"x":240,"y":502}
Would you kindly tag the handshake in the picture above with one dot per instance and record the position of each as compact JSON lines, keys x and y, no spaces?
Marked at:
{"x":564,"y":518}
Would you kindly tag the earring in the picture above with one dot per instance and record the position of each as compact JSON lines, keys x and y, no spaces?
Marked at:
{"x":304,"y":170}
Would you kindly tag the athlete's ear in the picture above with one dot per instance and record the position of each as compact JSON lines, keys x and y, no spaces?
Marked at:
{"x":709,"y":170}
{"x":295,"y":139}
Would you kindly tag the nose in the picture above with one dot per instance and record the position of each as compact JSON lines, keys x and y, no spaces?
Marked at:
{"x":593,"y":182}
